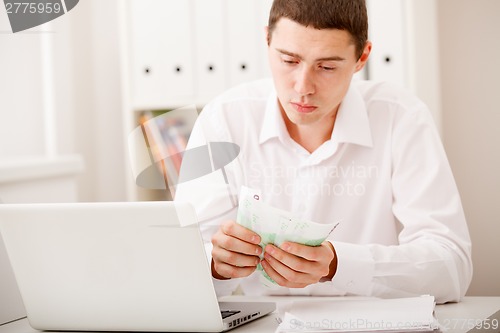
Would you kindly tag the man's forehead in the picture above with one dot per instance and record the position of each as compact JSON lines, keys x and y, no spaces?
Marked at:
{"x":296,"y":40}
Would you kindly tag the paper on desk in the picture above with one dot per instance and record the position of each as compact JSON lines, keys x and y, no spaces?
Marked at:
{"x":276,"y":226}
{"x":413,"y":314}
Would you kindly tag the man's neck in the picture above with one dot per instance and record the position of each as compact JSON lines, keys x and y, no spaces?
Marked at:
{"x":311,"y":137}
{"x":308,"y":137}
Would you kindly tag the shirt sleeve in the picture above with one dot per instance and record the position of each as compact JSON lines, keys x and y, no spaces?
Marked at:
{"x":434,"y":251}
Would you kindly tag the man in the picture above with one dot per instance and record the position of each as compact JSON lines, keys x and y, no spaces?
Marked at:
{"x":328,"y":149}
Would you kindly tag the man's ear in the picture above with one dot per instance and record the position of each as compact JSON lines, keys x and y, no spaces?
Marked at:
{"x":364,"y":56}
{"x":266,"y":32}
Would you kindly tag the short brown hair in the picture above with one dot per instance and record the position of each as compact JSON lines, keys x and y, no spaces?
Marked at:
{"x":348,"y":15}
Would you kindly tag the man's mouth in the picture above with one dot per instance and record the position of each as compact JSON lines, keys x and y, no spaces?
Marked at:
{"x":303,"y":108}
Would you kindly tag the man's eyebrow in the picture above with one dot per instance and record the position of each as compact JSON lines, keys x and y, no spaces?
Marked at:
{"x":295,"y":55}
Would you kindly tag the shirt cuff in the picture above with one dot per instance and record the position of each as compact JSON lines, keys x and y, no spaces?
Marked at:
{"x":355,"y":268}
{"x":225,"y":287}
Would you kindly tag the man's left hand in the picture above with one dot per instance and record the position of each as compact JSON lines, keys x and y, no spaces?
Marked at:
{"x":295,"y":265}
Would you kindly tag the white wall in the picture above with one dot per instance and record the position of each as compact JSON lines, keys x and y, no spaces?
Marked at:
{"x":470,"y":73}
{"x":73,"y":107}
{"x":97,"y":99}
{"x":21,"y":99}
{"x":422,"y":51}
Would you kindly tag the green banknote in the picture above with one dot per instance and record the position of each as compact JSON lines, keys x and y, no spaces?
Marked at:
{"x":276,"y":226}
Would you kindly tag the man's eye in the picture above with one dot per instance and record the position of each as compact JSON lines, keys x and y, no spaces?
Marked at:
{"x":328,"y":69}
{"x":289,"y":61}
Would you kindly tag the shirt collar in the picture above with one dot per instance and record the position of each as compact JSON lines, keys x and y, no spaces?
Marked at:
{"x":273,"y":125}
{"x":351,"y":126}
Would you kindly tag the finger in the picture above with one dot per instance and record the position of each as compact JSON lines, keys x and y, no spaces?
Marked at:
{"x":292,"y":261}
{"x":231,"y":228}
{"x":234,"y":258}
{"x":312,"y":253}
{"x":278,"y":278}
{"x":230,"y":271}
{"x":287,"y":272}
{"x":233,"y":244}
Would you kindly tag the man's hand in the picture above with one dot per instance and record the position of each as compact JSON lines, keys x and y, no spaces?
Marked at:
{"x":296,"y":266}
{"x":235,"y":251}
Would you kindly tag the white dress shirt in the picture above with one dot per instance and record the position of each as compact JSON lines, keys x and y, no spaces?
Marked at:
{"x":383,"y":174}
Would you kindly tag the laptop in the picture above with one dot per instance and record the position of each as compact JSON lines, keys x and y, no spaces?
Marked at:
{"x":130,"y":266}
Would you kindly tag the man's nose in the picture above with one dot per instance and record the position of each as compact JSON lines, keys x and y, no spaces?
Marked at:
{"x":304,"y":82}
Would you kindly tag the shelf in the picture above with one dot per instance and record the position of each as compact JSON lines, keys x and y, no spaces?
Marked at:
{"x":31,"y":168}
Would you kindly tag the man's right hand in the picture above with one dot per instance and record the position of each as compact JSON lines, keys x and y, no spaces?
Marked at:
{"x":235,"y":252}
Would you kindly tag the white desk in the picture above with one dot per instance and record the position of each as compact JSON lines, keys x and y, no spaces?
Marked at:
{"x":453,"y":316}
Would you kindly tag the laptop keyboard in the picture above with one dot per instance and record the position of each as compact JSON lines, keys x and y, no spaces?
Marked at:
{"x":228,"y":313}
